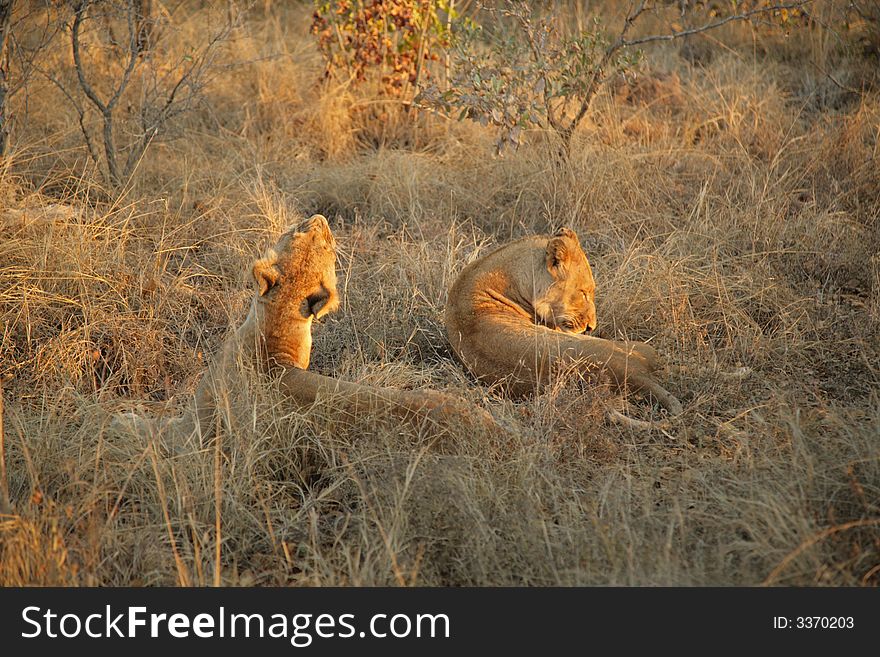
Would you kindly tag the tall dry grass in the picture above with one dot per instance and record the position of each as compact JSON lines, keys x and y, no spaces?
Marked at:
{"x":729,"y":205}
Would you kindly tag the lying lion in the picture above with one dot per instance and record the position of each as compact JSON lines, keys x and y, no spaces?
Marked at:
{"x":296,"y":284}
{"x":516,"y":316}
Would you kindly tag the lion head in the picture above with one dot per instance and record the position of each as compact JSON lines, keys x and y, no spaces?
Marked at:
{"x":296,"y":283}
{"x":565,"y":295}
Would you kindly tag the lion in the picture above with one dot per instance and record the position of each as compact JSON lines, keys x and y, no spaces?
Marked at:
{"x":295,"y":285}
{"x":517,"y":317}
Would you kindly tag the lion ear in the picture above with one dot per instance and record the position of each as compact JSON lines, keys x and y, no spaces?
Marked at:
{"x":557,"y":254}
{"x":565,"y":231}
{"x":559,"y":248}
{"x":318,"y":223}
{"x":266,"y":273}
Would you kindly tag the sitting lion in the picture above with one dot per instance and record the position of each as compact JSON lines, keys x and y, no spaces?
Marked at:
{"x":516,"y":317}
{"x":296,"y":283}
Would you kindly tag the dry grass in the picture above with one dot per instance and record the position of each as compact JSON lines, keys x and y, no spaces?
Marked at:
{"x":731,"y":209}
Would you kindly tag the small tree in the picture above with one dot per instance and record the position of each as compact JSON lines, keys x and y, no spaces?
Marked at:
{"x":539,"y":77}
{"x":22,"y":43}
{"x":120,"y":84}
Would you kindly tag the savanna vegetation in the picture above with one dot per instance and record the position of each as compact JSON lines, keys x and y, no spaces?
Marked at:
{"x":719,"y":162}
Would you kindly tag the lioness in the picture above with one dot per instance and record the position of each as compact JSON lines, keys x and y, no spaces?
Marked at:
{"x":296,"y":283}
{"x":516,"y":317}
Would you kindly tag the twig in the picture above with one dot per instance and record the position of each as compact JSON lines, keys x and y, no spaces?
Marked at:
{"x":565,"y":129}
{"x":598,"y":76}
{"x":711,"y":26}
{"x":5,"y":28}
{"x":447,"y":58}
{"x":90,"y":144}
{"x":420,"y":53}
{"x":106,"y":109}
{"x":834,"y":80}
{"x":538,"y":58}
{"x":158,"y":107}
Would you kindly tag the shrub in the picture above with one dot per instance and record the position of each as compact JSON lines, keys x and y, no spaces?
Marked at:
{"x":539,"y":77}
{"x":390,"y":40}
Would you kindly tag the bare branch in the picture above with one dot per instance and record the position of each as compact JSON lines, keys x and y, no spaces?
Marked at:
{"x":420,"y":54}
{"x":80,"y":111}
{"x":526,"y":24}
{"x":26,"y":56}
{"x":79,"y":11}
{"x":6,"y":7}
{"x":110,"y":147}
{"x":164,"y":97}
{"x":150,"y":127}
{"x":172,"y":105}
{"x":598,"y":76}
{"x":134,"y":51}
{"x":107,"y":108}
{"x":599,"y":71}
{"x":631,"y":18}
{"x":711,"y":26}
